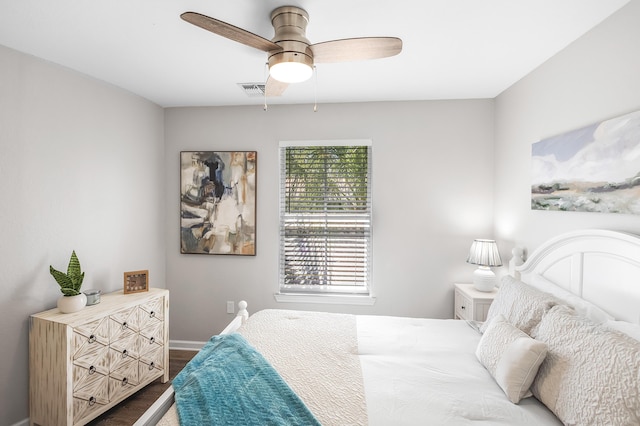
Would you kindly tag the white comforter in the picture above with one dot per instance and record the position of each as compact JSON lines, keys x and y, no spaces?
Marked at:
{"x":414,"y":372}
{"x":425,"y":372}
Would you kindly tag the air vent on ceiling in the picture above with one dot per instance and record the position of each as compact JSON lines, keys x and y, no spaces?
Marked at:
{"x":253,"y":90}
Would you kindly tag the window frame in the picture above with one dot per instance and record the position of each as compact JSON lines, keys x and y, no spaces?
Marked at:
{"x":325,"y":293}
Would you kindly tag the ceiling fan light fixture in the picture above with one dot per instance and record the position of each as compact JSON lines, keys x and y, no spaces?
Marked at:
{"x":290,"y":67}
{"x":291,"y":57}
{"x":291,"y":72}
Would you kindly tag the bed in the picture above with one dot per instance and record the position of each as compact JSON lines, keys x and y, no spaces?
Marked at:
{"x":561,"y":345}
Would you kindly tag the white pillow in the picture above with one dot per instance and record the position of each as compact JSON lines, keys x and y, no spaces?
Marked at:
{"x":511,"y":357}
{"x":522,"y":305}
{"x":580,"y":305}
{"x":628,"y":328}
{"x":591,"y":375}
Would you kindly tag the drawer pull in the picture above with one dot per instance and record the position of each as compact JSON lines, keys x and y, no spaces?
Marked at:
{"x":92,"y":338}
{"x":125,"y":381}
{"x":462,"y":307}
{"x":125,"y":353}
{"x":152,"y":314}
{"x":125,"y":325}
{"x":92,"y":370}
{"x":152,"y":365}
{"x":152,"y":339}
{"x":92,"y":401}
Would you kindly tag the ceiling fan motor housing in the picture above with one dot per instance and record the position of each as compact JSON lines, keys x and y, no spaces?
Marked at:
{"x":290,"y":25}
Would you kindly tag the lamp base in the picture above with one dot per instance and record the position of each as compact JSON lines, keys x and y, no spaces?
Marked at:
{"x":484,"y":279}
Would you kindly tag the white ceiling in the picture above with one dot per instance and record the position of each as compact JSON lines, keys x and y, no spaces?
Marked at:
{"x":453,"y":49}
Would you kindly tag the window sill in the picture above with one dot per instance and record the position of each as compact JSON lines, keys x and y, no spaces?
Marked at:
{"x":332,"y":299}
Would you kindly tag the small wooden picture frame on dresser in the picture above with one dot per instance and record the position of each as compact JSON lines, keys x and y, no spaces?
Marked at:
{"x":136,"y":281}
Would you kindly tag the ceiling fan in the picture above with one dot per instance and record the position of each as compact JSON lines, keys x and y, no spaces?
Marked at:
{"x":291,"y":56}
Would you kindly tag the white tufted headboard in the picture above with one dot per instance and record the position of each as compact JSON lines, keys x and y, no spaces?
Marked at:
{"x":600,"y":266}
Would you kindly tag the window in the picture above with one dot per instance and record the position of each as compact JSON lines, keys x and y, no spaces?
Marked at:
{"x":325,"y":217}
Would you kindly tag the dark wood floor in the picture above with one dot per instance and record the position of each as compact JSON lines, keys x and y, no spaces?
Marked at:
{"x":128,"y":411}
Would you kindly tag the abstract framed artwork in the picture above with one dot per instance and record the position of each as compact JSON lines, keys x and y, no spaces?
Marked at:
{"x":592,"y":169}
{"x":218,"y":202}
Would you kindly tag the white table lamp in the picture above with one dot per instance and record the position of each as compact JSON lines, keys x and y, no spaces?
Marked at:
{"x":484,"y":253}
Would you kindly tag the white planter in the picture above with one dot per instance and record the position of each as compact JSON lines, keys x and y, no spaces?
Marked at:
{"x":70,"y":304}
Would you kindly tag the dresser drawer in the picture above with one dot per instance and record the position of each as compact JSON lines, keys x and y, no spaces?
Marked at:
{"x":89,"y":363}
{"x":89,"y":337}
{"x":90,"y":400}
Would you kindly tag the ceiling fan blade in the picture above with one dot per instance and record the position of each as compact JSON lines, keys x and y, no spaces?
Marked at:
{"x":355,"y":49}
{"x":275,"y":87}
{"x":230,"y":31}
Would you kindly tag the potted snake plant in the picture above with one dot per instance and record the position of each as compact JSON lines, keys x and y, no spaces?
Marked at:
{"x":72,"y":299}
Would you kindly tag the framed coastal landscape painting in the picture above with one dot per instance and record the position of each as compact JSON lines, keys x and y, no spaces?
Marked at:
{"x":592,"y":169}
{"x":218,"y":202}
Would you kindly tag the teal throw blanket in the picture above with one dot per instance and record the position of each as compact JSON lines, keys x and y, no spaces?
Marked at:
{"x":230,"y":383}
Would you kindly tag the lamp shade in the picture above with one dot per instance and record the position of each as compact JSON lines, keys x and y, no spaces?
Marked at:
{"x":484,"y":253}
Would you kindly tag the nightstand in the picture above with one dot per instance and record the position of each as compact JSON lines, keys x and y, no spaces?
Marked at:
{"x":471,"y":304}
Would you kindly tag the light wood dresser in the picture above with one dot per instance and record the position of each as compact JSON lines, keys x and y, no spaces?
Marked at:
{"x":84,"y":363}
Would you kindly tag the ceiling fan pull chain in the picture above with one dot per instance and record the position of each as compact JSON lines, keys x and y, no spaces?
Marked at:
{"x":315,"y":95}
{"x":266,"y":80}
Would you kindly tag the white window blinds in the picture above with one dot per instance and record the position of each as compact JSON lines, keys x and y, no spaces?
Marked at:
{"x":325,"y":217}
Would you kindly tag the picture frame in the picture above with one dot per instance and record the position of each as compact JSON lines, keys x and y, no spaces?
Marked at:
{"x":218,"y":202}
{"x":136,"y":281}
{"x":590,"y":169}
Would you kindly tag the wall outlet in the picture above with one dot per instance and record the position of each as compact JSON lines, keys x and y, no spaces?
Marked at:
{"x":231,"y":307}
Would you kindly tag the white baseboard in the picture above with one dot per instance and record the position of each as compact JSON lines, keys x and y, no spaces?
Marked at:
{"x":186,"y":345}
{"x":24,"y":422}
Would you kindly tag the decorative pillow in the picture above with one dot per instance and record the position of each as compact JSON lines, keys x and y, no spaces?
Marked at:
{"x":580,"y":305}
{"x":511,"y":357}
{"x":591,"y":374}
{"x":522,"y":305}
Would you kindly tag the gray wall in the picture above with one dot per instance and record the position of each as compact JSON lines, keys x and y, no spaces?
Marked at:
{"x":81,"y":167}
{"x":595,"y":78}
{"x":77,"y":154}
{"x":432,"y":194}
